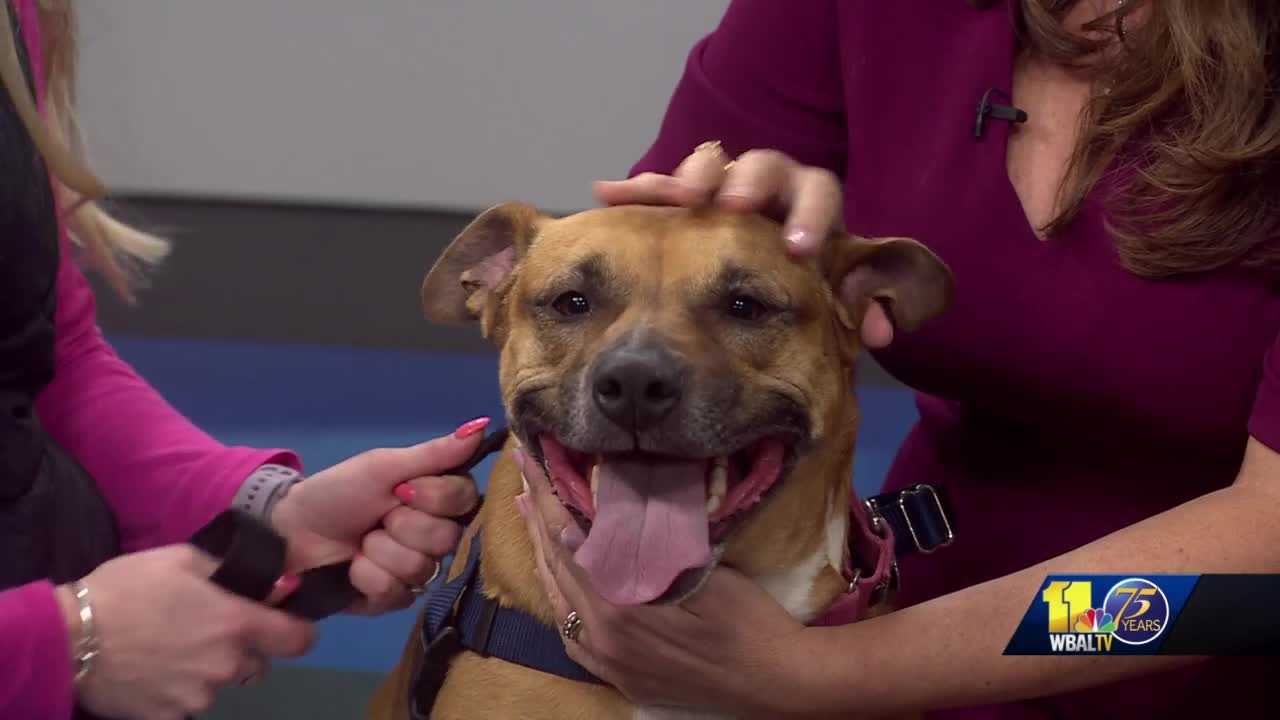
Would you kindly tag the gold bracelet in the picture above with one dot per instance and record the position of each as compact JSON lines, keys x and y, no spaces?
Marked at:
{"x":87,"y":646}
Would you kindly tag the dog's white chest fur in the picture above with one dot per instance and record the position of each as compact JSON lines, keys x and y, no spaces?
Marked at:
{"x":792,"y":588}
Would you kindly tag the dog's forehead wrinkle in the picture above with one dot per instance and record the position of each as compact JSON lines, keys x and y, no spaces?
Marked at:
{"x":593,"y":268}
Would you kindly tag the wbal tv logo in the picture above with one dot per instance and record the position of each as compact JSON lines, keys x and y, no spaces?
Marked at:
{"x":1134,"y":611}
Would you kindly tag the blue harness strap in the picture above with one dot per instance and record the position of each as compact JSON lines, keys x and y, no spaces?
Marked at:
{"x":459,"y":617}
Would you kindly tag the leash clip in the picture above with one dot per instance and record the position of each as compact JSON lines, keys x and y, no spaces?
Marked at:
{"x":892,"y":579}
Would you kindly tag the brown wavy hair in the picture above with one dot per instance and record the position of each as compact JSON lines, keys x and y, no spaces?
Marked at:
{"x":1190,"y":103}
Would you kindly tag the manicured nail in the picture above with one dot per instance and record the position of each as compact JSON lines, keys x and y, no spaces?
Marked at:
{"x":572,"y":537}
{"x":471,"y":427}
{"x":801,"y":240}
{"x":522,"y":505}
{"x":405,"y":492}
{"x":286,"y":584}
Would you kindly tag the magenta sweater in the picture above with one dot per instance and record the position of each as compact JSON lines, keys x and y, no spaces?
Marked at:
{"x":1061,"y":398}
{"x":162,"y":476}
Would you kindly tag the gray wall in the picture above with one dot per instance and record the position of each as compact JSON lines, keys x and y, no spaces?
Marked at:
{"x":425,"y":103}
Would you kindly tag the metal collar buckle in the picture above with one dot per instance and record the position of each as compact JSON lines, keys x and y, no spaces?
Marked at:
{"x":873,"y":512}
{"x":942,"y":514}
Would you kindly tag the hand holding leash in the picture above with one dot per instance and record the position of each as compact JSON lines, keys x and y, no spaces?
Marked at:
{"x":389,"y":512}
{"x":398,"y":509}
{"x":166,"y":638}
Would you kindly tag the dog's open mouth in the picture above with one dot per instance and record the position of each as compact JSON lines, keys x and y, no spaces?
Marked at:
{"x":654,"y":523}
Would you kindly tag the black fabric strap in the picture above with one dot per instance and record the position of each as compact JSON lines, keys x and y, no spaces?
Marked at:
{"x":920,"y":516}
{"x":253,"y":555}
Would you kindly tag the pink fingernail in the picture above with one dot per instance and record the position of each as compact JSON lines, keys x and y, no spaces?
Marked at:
{"x":471,"y":427}
{"x":800,"y":239}
{"x":522,"y":505}
{"x":405,"y":492}
{"x":572,"y":537}
{"x":286,"y":584}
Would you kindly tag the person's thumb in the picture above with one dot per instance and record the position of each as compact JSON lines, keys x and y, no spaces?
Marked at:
{"x":542,"y":499}
{"x":199,"y":562}
{"x":434,"y":457}
{"x":271,"y":631}
{"x":275,"y":632}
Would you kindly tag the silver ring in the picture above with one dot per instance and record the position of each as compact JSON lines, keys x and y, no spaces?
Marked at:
{"x":571,"y":628}
{"x":420,"y":590}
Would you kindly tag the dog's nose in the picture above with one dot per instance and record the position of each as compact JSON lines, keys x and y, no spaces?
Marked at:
{"x":636,"y":387}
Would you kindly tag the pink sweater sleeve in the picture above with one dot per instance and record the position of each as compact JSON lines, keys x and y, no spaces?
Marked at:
{"x":35,"y":678}
{"x":163,"y":477}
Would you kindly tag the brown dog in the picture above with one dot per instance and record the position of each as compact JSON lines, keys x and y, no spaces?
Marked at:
{"x":688,"y":386}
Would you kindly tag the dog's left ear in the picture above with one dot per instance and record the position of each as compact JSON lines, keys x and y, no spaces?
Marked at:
{"x":470,"y":274}
{"x":911,"y":282}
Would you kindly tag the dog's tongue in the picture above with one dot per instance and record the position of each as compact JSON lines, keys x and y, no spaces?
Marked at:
{"x":650,"y":525}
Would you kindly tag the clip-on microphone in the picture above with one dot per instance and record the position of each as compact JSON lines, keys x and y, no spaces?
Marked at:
{"x":987,"y":108}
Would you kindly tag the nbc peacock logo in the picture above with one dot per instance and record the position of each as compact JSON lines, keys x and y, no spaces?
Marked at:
{"x":1095,"y":621}
{"x":1134,"y":611}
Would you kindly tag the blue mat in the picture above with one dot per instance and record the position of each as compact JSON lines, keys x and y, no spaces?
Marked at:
{"x":329,"y":403}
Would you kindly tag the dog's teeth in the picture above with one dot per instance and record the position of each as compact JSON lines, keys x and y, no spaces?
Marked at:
{"x":719,"y":481}
{"x":595,"y":482}
{"x":719,"y":484}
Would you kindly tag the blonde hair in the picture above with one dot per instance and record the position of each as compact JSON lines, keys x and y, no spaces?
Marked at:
{"x":116,"y":250}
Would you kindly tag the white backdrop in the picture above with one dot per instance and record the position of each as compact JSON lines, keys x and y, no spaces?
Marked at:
{"x":436,"y":103}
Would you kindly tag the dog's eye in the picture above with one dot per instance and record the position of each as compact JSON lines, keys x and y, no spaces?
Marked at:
{"x":744,"y":307}
{"x":572,"y":303}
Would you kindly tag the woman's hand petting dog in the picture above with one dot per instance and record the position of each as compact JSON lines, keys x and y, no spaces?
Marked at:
{"x":809,"y":198}
{"x":389,"y":510}
{"x":730,"y":647}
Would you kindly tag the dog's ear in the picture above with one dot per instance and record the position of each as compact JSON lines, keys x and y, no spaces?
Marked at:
{"x":911,"y":282}
{"x":469,"y":274}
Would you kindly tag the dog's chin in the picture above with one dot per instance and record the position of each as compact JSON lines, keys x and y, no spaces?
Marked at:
{"x":734,"y":483}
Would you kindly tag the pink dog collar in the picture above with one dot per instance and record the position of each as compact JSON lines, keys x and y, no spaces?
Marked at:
{"x":870,"y":545}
